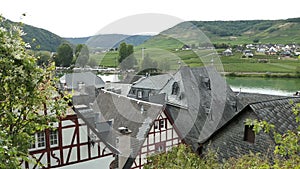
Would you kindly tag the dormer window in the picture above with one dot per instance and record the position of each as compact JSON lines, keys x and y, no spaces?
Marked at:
{"x":175,"y":88}
{"x":139,"y":94}
{"x":249,"y":134}
{"x":207,"y":83}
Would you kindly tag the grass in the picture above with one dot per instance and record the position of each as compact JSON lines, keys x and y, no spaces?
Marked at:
{"x":230,"y":63}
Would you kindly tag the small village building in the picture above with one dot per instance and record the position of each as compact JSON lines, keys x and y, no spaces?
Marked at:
{"x":186,"y":47}
{"x":227,"y":52}
{"x":272,"y":51}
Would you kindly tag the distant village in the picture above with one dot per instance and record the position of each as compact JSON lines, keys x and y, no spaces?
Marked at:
{"x":248,"y":50}
{"x":285,"y":51}
{"x":121,"y":123}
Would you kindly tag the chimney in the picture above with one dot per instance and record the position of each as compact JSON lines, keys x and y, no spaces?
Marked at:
{"x":124,"y":145}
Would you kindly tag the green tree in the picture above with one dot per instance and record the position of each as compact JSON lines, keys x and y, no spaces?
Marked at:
{"x":130,"y":50}
{"x":43,"y":57}
{"x":122,"y":51}
{"x":64,"y":55}
{"x":81,"y":55}
{"x":126,"y":56}
{"x":182,"y":157}
{"x":27,"y":93}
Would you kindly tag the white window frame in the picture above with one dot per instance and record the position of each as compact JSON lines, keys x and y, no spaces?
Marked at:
{"x":162,"y":124}
{"x":39,"y":138}
{"x":53,"y":138}
{"x":140,"y":94}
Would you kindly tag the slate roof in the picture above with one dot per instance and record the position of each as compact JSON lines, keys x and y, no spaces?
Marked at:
{"x":278,"y":112}
{"x":205,"y":103}
{"x":119,"y":88}
{"x":156,"y":82}
{"x":247,"y":98}
{"x":72,"y":80}
{"x":111,"y":111}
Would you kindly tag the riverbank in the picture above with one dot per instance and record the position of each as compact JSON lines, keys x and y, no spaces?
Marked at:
{"x":260,"y":74}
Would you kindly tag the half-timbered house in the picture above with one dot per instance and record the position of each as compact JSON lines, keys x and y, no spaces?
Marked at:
{"x":132,"y":128}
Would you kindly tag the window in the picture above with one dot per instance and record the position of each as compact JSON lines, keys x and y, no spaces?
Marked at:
{"x":207,"y":83}
{"x":139,"y":94}
{"x":156,"y":124}
{"x":41,"y":139}
{"x":160,"y":147}
{"x":162,"y":124}
{"x":53,"y":138}
{"x":200,"y":150}
{"x":249,"y":134}
{"x":175,"y":88}
{"x":159,"y":124}
{"x":33,"y":144}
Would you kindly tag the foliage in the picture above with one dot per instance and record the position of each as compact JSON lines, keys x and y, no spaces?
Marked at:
{"x":126,"y":57}
{"x":43,"y":57}
{"x":287,"y":149}
{"x":27,"y":93}
{"x":250,"y":161}
{"x":81,"y":55}
{"x":182,"y":157}
{"x":64,"y":55}
{"x":39,"y":39}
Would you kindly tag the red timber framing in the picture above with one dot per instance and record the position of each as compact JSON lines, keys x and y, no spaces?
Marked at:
{"x":75,"y":143}
{"x":162,"y":137}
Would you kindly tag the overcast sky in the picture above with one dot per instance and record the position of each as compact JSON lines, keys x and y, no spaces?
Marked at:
{"x":74,"y":18}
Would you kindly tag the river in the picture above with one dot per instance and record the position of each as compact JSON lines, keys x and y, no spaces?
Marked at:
{"x":275,"y":86}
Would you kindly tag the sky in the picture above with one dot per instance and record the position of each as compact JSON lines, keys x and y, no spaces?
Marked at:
{"x":74,"y":18}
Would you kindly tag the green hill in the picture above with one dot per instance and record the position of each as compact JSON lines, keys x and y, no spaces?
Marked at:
{"x":104,"y":41}
{"x":39,"y":39}
{"x":233,"y":32}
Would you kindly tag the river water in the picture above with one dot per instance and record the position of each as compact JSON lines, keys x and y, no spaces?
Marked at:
{"x":274,"y":86}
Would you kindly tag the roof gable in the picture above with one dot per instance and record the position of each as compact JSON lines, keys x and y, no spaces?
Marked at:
{"x":87,"y":78}
{"x":135,"y":115}
{"x":210,"y":103}
{"x":153,"y":82}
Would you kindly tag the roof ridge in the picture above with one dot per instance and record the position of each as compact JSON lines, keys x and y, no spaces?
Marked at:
{"x":265,"y":101}
{"x":129,"y":98}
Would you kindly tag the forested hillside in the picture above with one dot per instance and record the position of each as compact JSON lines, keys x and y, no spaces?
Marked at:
{"x":39,"y":39}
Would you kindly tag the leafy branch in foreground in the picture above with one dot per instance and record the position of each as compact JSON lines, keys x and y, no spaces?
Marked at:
{"x":182,"y":157}
{"x":29,"y":102}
